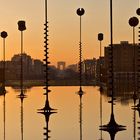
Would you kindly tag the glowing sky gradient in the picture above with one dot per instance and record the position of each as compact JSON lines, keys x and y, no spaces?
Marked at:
{"x":64,"y":26}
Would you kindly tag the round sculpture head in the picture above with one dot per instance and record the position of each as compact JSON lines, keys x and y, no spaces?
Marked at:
{"x":133,"y":21}
{"x":80,"y":11}
{"x":138,"y":11}
{"x":4,"y":34}
{"x":100,"y":36}
{"x":21,"y":25}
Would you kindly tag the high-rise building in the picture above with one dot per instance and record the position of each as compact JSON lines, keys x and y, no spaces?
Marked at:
{"x":126,"y":63}
{"x":89,"y":68}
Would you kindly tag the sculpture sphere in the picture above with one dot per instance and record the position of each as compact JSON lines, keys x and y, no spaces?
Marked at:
{"x":138,"y":11}
{"x":4,"y":34}
{"x":133,"y":21}
{"x":21,"y":25}
{"x":80,"y":11}
{"x":100,"y":36}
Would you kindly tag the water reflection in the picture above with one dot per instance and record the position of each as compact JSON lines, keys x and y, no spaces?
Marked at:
{"x":112,"y":127}
{"x":80,"y":116}
{"x":101,"y":111}
{"x":22,"y":96}
{"x":4,"y":113}
{"x":46,"y":128}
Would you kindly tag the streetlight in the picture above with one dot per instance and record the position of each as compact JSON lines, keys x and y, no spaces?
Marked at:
{"x":21,"y":27}
{"x":4,"y":35}
{"x":80,"y":12}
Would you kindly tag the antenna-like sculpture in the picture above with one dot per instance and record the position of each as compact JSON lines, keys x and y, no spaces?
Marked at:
{"x":100,"y":38}
{"x":80,"y":12}
{"x":112,"y":127}
{"x":138,"y":67}
{"x":47,"y":107}
{"x":3,"y":91}
{"x":21,"y":28}
{"x":4,"y":35}
{"x":133,"y":22}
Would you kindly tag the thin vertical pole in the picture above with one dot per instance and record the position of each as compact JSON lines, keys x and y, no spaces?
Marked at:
{"x":21,"y":73}
{"x":4,"y":64}
{"x":133,"y":35}
{"x":46,"y":48}
{"x":111,"y":41}
{"x":80,"y":63}
{"x":100,"y":60}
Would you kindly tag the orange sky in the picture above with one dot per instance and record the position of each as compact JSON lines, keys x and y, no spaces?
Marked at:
{"x":64,"y":26}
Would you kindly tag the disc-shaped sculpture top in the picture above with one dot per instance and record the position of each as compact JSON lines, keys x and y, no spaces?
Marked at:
{"x":4,"y":34}
{"x":21,"y":25}
{"x":138,"y":11}
{"x":80,"y":11}
{"x":100,"y":36}
{"x":133,"y":21}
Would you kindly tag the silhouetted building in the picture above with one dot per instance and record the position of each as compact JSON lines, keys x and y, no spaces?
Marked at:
{"x":89,"y":68}
{"x":73,"y":67}
{"x":126,"y":64}
{"x":100,"y":70}
{"x":123,"y":57}
{"x":38,"y":68}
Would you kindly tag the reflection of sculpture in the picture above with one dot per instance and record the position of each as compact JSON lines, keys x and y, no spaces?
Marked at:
{"x":22,"y":96}
{"x":112,"y":127}
{"x":80,"y":121}
{"x":80,"y":12}
{"x":47,"y":115}
{"x":101,"y":110}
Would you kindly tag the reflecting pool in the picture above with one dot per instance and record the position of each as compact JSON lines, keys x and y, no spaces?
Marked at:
{"x":19,"y":119}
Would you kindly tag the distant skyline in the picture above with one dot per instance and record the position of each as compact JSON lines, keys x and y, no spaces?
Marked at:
{"x":64,"y":27}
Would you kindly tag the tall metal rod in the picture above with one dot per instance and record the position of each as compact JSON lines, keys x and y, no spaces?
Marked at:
{"x":21,"y":68}
{"x":21,"y":28}
{"x":4,"y":35}
{"x":80,"y":59}
{"x":133,"y":35}
{"x":4,"y":63}
{"x":46,"y":49}
{"x":111,"y":44}
{"x":100,"y":61}
{"x":80,"y":12}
